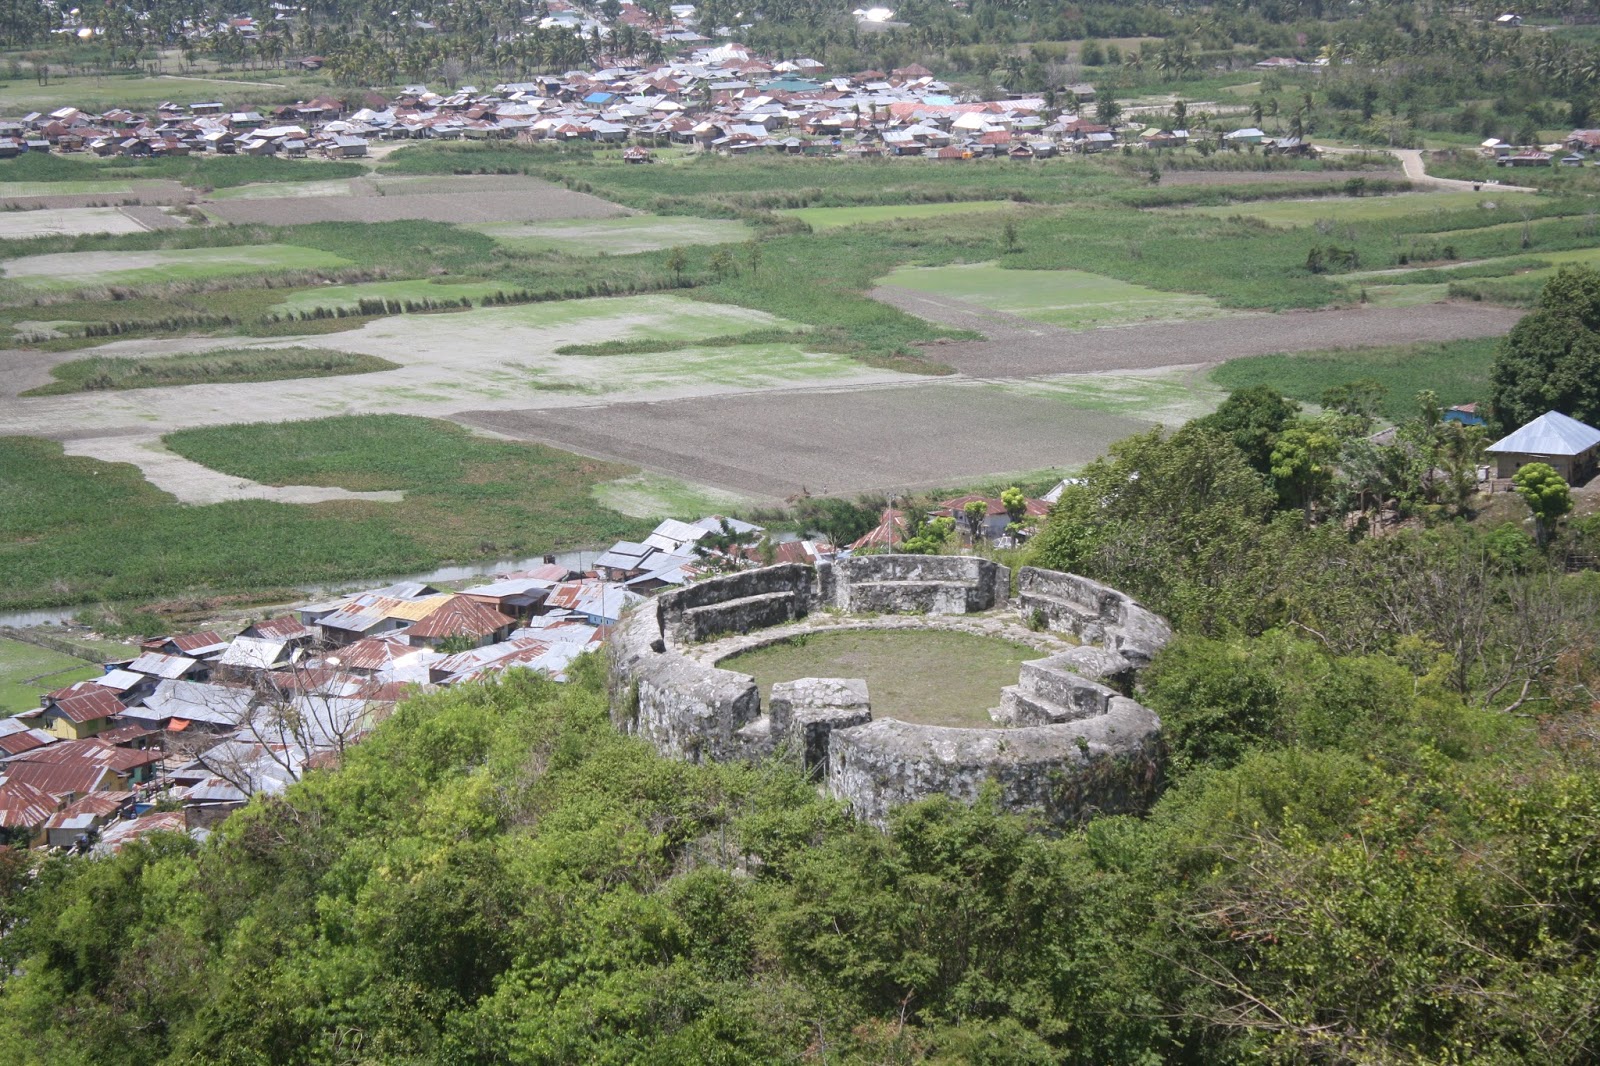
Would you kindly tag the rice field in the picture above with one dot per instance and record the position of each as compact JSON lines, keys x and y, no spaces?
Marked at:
{"x":77,"y":270}
{"x":281,"y":190}
{"x":27,"y":670}
{"x":415,"y":290}
{"x":17,"y":189}
{"x":614,"y":236}
{"x":832,"y":217}
{"x":1292,"y":213}
{"x":66,"y":221}
{"x":1073,"y":299}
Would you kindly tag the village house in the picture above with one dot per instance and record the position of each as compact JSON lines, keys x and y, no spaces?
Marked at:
{"x":78,"y":712}
{"x":1566,"y":444}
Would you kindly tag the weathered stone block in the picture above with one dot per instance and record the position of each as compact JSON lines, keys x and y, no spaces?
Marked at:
{"x":738,"y":616}
{"x":1093,"y":612}
{"x":793,"y":581}
{"x":932,"y":584}
{"x":808,"y":710}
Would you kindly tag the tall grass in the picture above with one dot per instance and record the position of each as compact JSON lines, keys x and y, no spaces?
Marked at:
{"x":75,"y":530}
{"x":1458,"y":371}
{"x":195,"y":171}
{"x":227,"y":365}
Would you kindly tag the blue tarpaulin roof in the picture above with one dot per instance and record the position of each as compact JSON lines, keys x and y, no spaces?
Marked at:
{"x":1552,"y":433}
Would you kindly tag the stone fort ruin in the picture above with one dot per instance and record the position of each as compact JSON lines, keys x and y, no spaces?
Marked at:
{"x":1067,"y":742}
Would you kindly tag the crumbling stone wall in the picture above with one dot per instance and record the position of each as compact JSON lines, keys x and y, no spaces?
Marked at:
{"x":1110,"y":764}
{"x":737,"y":603}
{"x":805,"y":712}
{"x":930,"y":584}
{"x":686,"y":709}
{"x":1093,"y":612}
{"x":1078,"y":746}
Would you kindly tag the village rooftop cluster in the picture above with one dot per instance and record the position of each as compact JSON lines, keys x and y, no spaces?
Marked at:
{"x":718,"y":99}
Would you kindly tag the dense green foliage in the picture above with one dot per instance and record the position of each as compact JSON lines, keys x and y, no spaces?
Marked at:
{"x":77,"y":530}
{"x":1351,"y":865}
{"x":232,"y":364}
{"x":1551,"y":360}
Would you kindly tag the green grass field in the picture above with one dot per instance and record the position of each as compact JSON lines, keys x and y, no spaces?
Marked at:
{"x":415,"y":289}
{"x":88,"y":187}
{"x":26,"y":670}
{"x":1458,"y":372}
{"x":614,"y":236}
{"x":1071,"y":298}
{"x":1290,"y":213}
{"x":197,"y":368}
{"x":91,"y":91}
{"x":930,"y":677}
{"x":830,"y":217}
{"x":67,"y":271}
{"x":75,"y":530}
{"x":198,"y":171}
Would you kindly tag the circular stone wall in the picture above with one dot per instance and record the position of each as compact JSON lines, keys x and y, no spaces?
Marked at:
{"x":1076,"y":744}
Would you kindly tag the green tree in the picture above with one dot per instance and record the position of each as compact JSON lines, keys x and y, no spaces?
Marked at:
{"x":1551,"y":359}
{"x":1302,"y":465}
{"x":975,"y":514}
{"x":1547,"y":496}
{"x":677,"y":261}
{"x":1252,"y":418}
{"x":1016,"y":504}
{"x":1181,"y":523}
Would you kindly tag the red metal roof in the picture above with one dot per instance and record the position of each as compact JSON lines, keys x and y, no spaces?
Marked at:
{"x":890,"y":530}
{"x":22,"y":806}
{"x":91,"y":753}
{"x":460,"y":616}
{"x":89,"y":705}
{"x":59,"y":779}
{"x":17,"y":743}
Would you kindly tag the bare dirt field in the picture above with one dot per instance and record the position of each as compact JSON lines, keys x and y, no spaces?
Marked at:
{"x":1273,"y":177}
{"x":828,"y":441}
{"x":72,"y":221}
{"x":491,"y":198}
{"x":1019,"y":347}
